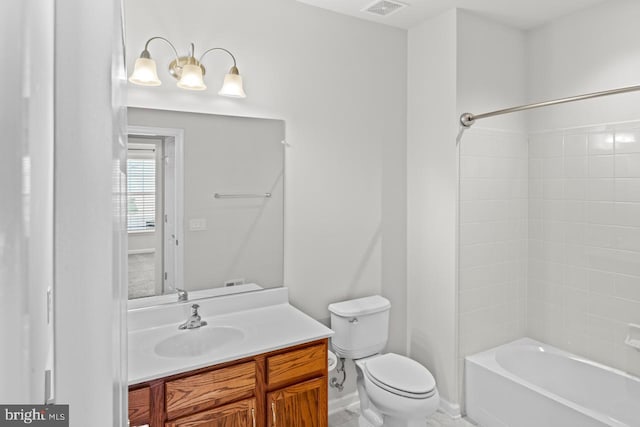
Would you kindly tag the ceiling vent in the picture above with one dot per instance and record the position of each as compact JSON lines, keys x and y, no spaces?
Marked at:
{"x":384,"y":7}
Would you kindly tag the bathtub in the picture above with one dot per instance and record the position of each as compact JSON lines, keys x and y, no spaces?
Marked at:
{"x":529,"y":384}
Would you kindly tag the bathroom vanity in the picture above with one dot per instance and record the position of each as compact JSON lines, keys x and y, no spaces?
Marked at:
{"x":271,"y":372}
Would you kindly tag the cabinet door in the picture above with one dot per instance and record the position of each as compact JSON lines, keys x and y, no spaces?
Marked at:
{"x":299,"y":405}
{"x":238,"y":414}
{"x":139,"y":406}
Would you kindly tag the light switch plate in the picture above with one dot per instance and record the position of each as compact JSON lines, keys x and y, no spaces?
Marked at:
{"x":197,"y":224}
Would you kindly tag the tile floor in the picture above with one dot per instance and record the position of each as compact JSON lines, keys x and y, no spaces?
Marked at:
{"x":349,"y":418}
{"x":142,"y":270}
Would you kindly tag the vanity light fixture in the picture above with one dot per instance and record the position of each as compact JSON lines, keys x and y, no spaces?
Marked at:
{"x":188,"y":70}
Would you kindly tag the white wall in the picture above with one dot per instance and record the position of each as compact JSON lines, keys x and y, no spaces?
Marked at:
{"x":26,"y":191}
{"x":90,"y":254}
{"x":492,"y":70}
{"x":589,"y":51}
{"x":340,"y":85}
{"x":432,"y":199}
{"x":460,"y":62}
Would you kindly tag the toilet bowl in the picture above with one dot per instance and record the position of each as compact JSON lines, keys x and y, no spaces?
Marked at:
{"x":400,"y":391}
{"x":394,"y":390}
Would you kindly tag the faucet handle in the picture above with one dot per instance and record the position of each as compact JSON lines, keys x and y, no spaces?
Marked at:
{"x":194,"y":309}
{"x":183,"y":295}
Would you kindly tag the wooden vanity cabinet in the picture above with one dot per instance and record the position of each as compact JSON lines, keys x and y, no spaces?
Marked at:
{"x":284,"y":388}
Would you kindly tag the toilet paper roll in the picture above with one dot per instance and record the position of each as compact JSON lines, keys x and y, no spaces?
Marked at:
{"x":332,"y":360}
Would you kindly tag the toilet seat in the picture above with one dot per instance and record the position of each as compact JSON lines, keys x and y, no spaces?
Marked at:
{"x":400,"y":375}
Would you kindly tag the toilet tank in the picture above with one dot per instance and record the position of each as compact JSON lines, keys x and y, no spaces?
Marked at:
{"x":361,"y":326}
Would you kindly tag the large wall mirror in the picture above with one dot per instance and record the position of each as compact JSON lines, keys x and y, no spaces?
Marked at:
{"x":205,"y":201}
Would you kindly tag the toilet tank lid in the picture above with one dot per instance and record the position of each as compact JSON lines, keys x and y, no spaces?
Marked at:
{"x":360,"y":306}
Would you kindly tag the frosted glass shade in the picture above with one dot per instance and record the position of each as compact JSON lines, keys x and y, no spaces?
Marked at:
{"x":145,"y":73}
{"x":191,"y":78}
{"x":232,"y":86}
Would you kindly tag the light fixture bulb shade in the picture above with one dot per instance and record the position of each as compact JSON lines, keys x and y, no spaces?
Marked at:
{"x":232,"y":86}
{"x":145,"y":73}
{"x":191,"y":78}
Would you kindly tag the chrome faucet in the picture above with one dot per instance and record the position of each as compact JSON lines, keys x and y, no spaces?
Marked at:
{"x":182,"y":295}
{"x":193,"y":321}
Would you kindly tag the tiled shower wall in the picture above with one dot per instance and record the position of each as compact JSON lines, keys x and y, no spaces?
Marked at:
{"x":584,"y":242}
{"x":550,"y":241}
{"x":493,"y":240}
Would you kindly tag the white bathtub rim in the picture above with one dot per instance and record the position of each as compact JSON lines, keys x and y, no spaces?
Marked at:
{"x":487,"y":360}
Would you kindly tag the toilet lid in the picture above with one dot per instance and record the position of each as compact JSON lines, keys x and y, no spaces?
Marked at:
{"x":401,"y":375}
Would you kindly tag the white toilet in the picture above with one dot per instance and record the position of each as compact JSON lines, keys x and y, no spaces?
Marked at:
{"x":394,"y":390}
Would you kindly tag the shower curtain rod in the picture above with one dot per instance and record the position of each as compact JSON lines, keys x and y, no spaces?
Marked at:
{"x":467,"y":119}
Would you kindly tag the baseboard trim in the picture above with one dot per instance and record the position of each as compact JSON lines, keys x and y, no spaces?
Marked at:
{"x":344,"y":402}
{"x":451,"y":409}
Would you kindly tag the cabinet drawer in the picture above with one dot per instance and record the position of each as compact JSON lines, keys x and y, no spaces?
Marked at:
{"x":294,"y":365}
{"x":238,"y":414}
{"x":139,"y":406}
{"x":209,"y":389}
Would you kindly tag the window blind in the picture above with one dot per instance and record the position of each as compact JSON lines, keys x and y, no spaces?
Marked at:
{"x":141,"y":188}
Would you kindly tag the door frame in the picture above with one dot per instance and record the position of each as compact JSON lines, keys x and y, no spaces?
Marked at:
{"x":173,"y":191}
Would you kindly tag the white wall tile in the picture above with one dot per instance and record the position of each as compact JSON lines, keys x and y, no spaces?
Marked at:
{"x":601,"y":212}
{"x":601,"y":166}
{"x":535,"y":209}
{"x":495,"y":192}
{"x":554,"y":231}
{"x":552,"y":167}
{"x":575,"y":232}
{"x":483,"y":210}
{"x":576,"y":300}
{"x":481,"y":276}
{"x":602,"y":282}
{"x":553,"y":189}
{"x":628,"y":239}
{"x":535,"y":188}
{"x":574,"y":210}
{"x":552,"y":209}
{"x":600,"y":235}
{"x":628,"y":287}
{"x":576,"y":167}
{"x":546,"y":145}
{"x":617,"y":261}
{"x":627,"y":165}
{"x":615,"y":308}
{"x":627,"y":214}
{"x":483,"y":298}
{"x":628,"y":190}
{"x":576,"y":277}
{"x":535,"y":168}
{"x":627,"y":142}
{"x":575,"y":189}
{"x":601,"y":190}
{"x":584,"y":255}
{"x":575,"y":145}
{"x":601,"y":143}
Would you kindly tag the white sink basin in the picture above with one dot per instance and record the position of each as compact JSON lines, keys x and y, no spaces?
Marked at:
{"x":197,"y":342}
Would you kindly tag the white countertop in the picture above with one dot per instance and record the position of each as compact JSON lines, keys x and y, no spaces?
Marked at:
{"x":269,"y":323}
